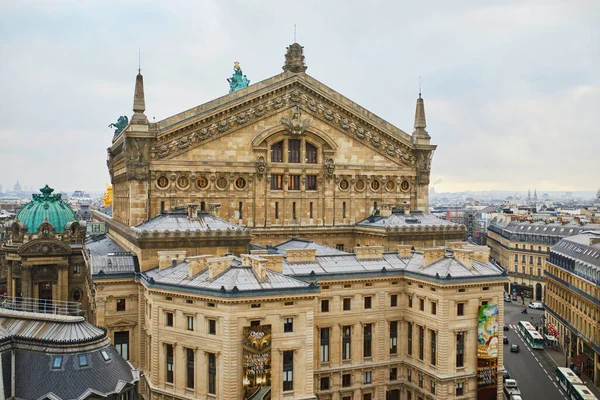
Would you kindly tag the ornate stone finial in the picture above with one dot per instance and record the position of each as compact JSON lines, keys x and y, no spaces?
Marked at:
{"x":46,"y":191}
{"x":238,"y":80}
{"x":295,"y":126}
{"x":294,"y":59}
{"x":420,"y":135}
{"x":139,"y":102}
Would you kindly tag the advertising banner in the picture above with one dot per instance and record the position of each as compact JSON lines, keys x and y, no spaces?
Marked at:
{"x":256,"y":348}
{"x":487,"y":352}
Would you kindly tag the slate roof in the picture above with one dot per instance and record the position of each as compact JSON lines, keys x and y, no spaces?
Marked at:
{"x":179,"y":220}
{"x":294,"y":244}
{"x":578,"y":247}
{"x":349,"y":264}
{"x":399,"y":219}
{"x":107,"y":257}
{"x":237,"y":275}
{"x":540,"y":228}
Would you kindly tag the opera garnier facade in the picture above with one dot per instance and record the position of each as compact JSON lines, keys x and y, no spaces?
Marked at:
{"x":276,"y":243}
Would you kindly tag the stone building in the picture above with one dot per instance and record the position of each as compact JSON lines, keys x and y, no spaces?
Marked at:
{"x":522,"y":247}
{"x":573,"y":300}
{"x":284,"y":157}
{"x":333,"y":325}
{"x":42,"y":255}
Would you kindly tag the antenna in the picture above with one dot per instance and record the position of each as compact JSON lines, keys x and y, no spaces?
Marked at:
{"x":419,"y":86}
{"x":139,"y":59}
{"x":294,"y":33}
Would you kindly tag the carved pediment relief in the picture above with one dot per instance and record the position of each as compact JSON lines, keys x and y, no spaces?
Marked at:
{"x":43,"y":247}
{"x":304,"y":102}
{"x":45,"y":273}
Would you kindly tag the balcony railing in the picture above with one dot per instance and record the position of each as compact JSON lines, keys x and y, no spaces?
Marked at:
{"x":27,"y":304}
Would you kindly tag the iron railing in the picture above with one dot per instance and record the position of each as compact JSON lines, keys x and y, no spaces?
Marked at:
{"x":27,"y":304}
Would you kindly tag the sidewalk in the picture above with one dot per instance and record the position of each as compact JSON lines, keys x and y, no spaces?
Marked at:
{"x":558,"y":356}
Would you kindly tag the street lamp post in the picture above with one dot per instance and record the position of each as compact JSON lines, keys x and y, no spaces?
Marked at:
{"x":567,"y":341}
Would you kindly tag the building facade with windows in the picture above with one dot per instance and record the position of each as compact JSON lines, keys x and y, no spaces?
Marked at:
{"x":573,"y":300}
{"x":522,"y":247}
{"x":285,"y":157}
{"x":308,"y":323}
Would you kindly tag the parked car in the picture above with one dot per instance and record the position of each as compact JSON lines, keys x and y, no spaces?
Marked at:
{"x":506,"y":328}
{"x":536,"y":305}
{"x":505,"y":340}
{"x":505,"y":374}
{"x":507,"y":299}
{"x":514,"y":348}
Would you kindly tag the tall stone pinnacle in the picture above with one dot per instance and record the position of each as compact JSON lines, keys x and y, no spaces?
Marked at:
{"x":420,"y":134}
{"x":139,"y":103}
{"x":294,"y":59}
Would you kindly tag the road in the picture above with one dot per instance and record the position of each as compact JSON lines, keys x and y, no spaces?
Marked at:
{"x":533,"y":369}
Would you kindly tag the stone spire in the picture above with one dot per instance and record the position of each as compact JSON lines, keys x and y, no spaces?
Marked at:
{"x":294,"y":59}
{"x":139,"y":103}
{"x":535,"y":195}
{"x":420,"y":134}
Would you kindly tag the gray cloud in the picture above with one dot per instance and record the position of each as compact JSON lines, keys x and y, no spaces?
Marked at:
{"x":511,"y":88}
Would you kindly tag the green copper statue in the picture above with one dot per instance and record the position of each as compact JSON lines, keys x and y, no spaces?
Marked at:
{"x":121,"y":123}
{"x":238,"y":80}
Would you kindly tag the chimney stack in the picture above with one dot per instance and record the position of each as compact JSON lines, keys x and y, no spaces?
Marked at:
{"x":300,"y":255}
{"x":170,"y":258}
{"x":218,"y":265}
{"x":197,"y":264}
{"x":369,"y":252}
{"x":192,"y":210}
{"x":433,"y":255}
{"x":404,"y":250}
{"x":465,"y":257}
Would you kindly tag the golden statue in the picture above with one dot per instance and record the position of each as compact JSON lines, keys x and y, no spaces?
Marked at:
{"x":107,"y":198}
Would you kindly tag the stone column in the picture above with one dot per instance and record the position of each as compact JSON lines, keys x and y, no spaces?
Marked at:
{"x":63,"y":278}
{"x":9,"y":281}
{"x":356,"y":347}
{"x":26,"y":284}
{"x":335,"y":345}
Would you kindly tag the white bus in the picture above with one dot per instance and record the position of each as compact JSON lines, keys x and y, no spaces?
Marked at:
{"x":581,"y":392}
{"x":531,"y":336}
{"x":567,"y":379}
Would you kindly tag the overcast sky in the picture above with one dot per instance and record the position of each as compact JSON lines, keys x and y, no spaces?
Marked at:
{"x":511,"y":88}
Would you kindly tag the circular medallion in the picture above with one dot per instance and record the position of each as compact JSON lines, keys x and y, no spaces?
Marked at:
{"x":222,"y":183}
{"x":404,"y":186}
{"x":375,"y":185}
{"x":162,"y":182}
{"x":240,"y":183}
{"x":183,"y":182}
{"x":360,"y":185}
{"x":202,"y":182}
{"x":390,"y":185}
{"x":344,"y":184}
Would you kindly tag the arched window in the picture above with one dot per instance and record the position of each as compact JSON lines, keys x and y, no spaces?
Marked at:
{"x":277,"y":152}
{"x":311,"y":154}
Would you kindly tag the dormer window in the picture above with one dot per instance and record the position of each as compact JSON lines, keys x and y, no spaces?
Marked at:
{"x":105,"y":355}
{"x":83,"y":361}
{"x":57,"y":362}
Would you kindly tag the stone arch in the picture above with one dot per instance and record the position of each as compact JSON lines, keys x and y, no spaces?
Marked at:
{"x":326,"y":142}
{"x":538,"y":291}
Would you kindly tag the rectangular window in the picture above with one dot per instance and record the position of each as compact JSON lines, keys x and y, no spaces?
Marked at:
{"x":460,"y":309}
{"x":531,"y":258}
{"x":539,"y":261}
{"x":240,"y":208}
{"x":432,"y":387}
{"x":277,"y":152}
{"x":421,"y":342}
{"x":324,"y":345}
{"x":523,"y":258}
{"x":255,"y":323}
{"x":409,"y":375}
{"x":212,"y":373}
{"x":344,"y":209}
{"x":339,"y":247}
{"x":288,"y":325}
{"x":169,"y":321}
{"x":169,"y":356}
{"x":190,"y":323}
{"x":409,"y":334}
{"x":346,"y":380}
{"x":76,"y":269}
{"x":120,"y":304}
{"x":539,"y":272}
{"x":121,"y":341}
{"x":421,"y":380}
{"x":367,"y":302}
{"x":422,"y":304}
{"x":294,"y":150}
{"x":294,"y":182}
{"x":410,"y":301}
{"x":393,"y":374}
{"x":294,"y":210}
{"x":190,"y":368}
{"x":433,"y":336}
{"x":311,"y":154}
{"x":408,"y":395}
{"x":311,"y":182}
{"x":57,"y":363}
{"x":393,"y":337}
{"x":434,"y":308}
{"x":83,"y":361}
{"x":394,"y":300}
{"x":347,"y":304}
{"x":276,"y":182}
{"x":346,"y":342}
{"x":459,"y":389}
{"x":288,"y":371}
{"x":368,"y":377}
{"x":516,"y":258}
{"x":368,"y":396}
{"x":310,"y":209}
{"x":324,"y":305}
{"x":212,"y":327}
{"x":367,"y":339}
{"x":276,"y":210}
{"x":324,"y":383}
{"x":460,"y":349}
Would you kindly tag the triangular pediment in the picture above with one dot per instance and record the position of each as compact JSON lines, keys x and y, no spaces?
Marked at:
{"x":121,"y":323}
{"x":238,"y":110}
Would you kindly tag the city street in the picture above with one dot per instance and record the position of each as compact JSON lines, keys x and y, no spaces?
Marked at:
{"x":533,"y":369}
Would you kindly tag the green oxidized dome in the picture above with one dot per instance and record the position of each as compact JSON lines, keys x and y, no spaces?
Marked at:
{"x":46,"y":206}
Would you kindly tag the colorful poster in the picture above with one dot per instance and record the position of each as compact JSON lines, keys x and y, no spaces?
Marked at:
{"x":487,"y":352}
{"x":256,"y":348}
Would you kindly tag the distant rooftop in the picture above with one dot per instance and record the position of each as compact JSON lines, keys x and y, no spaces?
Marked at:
{"x":399,"y":219}
{"x":322,"y":250}
{"x":107,"y":257}
{"x":178,"y":220}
